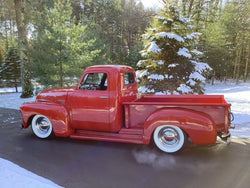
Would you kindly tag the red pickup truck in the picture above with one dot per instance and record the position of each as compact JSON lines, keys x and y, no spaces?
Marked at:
{"x":106,"y":106}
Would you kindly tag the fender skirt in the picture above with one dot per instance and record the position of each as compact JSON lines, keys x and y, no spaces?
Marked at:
{"x":199,"y":127}
{"x":57,"y":114}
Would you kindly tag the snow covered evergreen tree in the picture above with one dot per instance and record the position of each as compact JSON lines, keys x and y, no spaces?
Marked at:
{"x":170,"y":65}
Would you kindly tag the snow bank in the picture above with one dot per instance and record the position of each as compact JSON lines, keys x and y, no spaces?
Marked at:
{"x":10,"y":90}
{"x":12,"y":175}
{"x":238,"y":96}
{"x":13,"y":100}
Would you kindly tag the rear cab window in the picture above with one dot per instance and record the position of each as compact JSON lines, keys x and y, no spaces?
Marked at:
{"x":129,"y":78}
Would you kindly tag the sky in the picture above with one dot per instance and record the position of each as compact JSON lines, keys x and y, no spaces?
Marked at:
{"x":151,"y":3}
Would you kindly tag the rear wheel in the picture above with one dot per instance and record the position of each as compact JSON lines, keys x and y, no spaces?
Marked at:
{"x":169,"y":138}
{"x":41,"y":126}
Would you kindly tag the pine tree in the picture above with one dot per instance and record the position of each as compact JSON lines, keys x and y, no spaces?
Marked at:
{"x":60,"y":50}
{"x":118,"y":26}
{"x":2,"y":55}
{"x":11,"y":69}
{"x":235,"y":19}
{"x":170,"y":66}
{"x":216,"y":51}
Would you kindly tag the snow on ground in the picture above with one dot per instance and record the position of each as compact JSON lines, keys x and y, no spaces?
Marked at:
{"x":14,"y":176}
{"x":13,"y":100}
{"x":238,"y":96}
{"x":10,"y":99}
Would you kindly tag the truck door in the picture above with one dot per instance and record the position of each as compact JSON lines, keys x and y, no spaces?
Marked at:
{"x":89,"y":104}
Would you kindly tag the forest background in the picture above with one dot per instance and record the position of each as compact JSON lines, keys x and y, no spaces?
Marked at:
{"x":53,"y":41}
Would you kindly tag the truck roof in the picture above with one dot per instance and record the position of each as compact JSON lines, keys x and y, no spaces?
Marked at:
{"x":112,"y":67}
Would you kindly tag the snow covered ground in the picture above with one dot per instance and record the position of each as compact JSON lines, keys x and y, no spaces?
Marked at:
{"x":14,"y":176}
{"x":12,"y":100}
{"x":239,"y":96}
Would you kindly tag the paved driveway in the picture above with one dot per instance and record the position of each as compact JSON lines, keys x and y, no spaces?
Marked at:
{"x":90,"y":164}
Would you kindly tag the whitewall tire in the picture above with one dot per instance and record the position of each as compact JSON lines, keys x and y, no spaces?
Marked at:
{"x":169,"y":138}
{"x":41,"y":126}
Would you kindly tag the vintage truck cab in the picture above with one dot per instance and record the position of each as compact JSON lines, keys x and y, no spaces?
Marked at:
{"x":105,"y":106}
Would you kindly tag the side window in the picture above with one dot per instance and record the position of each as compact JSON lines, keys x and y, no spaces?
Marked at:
{"x":129,"y":78}
{"x":95,"y":81}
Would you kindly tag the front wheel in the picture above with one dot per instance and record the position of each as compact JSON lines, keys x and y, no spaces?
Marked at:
{"x":169,"y":138}
{"x":41,"y":126}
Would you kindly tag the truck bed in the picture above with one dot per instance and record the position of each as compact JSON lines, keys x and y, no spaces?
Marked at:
{"x":137,"y":112}
{"x":182,"y":99}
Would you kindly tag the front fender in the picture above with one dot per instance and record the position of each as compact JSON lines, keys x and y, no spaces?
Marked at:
{"x":57,"y":114}
{"x":199,"y":127}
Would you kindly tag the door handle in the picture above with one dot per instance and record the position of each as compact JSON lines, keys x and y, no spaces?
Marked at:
{"x":104,"y":97}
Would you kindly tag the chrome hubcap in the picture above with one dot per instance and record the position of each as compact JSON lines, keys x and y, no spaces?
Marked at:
{"x":42,"y":125}
{"x":169,"y":137}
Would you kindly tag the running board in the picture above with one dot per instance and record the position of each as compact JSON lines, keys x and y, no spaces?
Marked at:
{"x":125,"y":136}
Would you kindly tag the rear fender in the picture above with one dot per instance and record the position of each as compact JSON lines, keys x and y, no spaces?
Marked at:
{"x":57,"y":114}
{"x":199,"y":127}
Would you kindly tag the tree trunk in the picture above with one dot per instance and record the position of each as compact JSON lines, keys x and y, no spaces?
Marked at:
{"x":23,"y":46}
{"x":246,"y":67}
{"x":198,"y":19}
{"x":235,"y":65}
{"x":238,"y":65}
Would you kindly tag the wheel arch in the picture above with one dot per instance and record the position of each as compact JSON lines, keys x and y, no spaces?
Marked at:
{"x":57,"y":114}
{"x":29,"y":121}
{"x":198,"y":126}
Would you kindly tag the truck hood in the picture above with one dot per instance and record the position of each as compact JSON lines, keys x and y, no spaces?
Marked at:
{"x":56,"y":95}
